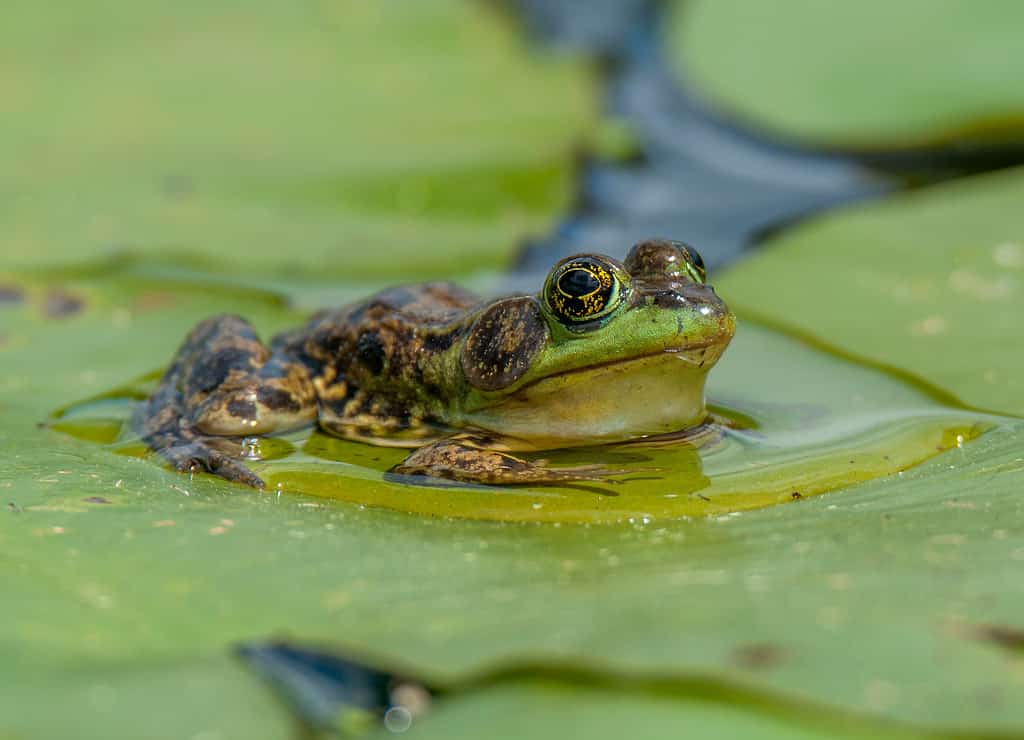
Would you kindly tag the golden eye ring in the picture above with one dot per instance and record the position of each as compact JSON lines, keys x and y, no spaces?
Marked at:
{"x":583,"y":289}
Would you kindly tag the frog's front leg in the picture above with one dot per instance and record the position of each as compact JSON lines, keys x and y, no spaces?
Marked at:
{"x":468,"y":457}
{"x":223,"y":382}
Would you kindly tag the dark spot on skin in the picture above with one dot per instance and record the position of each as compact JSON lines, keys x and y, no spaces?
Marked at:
{"x":11,"y":295}
{"x":61,"y":305}
{"x":796,"y":495}
{"x":1006,"y":637}
{"x":13,"y":507}
{"x":96,"y":500}
{"x":209,"y":372}
{"x":329,"y":342}
{"x":336,"y":406}
{"x":431,"y":390}
{"x":241,"y":408}
{"x":669,"y":299}
{"x":370,"y":351}
{"x":277,"y":399}
{"x":438,"y":342}
{"x":758,"y":656}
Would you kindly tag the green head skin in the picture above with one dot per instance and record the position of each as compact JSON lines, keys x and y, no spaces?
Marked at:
{"x":607,"y":352}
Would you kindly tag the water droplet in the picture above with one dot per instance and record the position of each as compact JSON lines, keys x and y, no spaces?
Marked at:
{"x":251,"y":448}
{"x":398,"y":719}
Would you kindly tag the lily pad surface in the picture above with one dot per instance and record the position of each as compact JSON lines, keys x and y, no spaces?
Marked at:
{"x":879,"y":603}
{"x":930,"y":281}
{"x":319,"y":139}
{"x":871,"y":75}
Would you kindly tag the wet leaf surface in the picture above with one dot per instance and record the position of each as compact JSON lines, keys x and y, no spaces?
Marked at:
{"x":913,"y":74}
{"x":931,"y":282}
{"x":173,"y":571}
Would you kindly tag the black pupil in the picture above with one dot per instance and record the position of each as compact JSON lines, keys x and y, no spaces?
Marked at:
{"x":578,"y":282}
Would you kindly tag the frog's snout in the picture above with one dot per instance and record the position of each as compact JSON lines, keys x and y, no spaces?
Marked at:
{"x":674,"y":295}
{"x":668,"y":299}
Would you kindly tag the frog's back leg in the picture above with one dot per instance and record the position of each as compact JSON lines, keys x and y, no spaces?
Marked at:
{"x":473,"y":459}
{"x":223,"y":382}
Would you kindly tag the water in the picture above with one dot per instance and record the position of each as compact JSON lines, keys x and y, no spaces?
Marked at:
{"x":697,"y":175}
{"x":796,"y":421}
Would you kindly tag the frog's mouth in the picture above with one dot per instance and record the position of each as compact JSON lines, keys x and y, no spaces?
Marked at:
{"x":698,"y":356}
{"x":614,"y":401}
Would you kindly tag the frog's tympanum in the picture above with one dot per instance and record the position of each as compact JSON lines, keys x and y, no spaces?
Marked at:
{"x":607,"y":352}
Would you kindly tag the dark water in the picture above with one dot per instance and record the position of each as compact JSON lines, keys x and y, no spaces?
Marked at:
{"x":698,"y":177}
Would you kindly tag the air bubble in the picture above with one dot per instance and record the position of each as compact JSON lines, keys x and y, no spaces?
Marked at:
{"x":251,"y":449}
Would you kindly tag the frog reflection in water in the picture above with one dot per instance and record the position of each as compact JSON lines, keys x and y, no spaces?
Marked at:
{"x":608,"y":352}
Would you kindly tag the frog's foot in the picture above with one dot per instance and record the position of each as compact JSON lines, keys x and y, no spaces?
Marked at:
{"x":467,"y":458}
{"x":199,"y":456}
{"x":161,"y":423}
{"x":223,"y":383}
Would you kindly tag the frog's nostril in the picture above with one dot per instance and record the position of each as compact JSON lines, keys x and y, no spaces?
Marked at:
{"x":669,"y":299}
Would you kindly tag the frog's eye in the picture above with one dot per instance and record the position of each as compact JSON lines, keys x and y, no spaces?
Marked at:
{"x":583,"y":288}
{"x":695,"y":260}
{"x":657,"y":259}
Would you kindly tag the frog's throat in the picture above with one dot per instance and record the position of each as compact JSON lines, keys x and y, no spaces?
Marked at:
{"x":612,"y":402}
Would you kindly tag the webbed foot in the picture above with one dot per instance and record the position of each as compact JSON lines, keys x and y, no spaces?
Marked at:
{"x":223,"y":384}
{"x":467,"y":458}
{"x":199,"y":456}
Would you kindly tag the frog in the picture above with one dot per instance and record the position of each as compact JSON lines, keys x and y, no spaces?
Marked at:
{"x":607,"y":352}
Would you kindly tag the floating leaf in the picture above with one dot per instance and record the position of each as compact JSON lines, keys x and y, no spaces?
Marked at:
{"x":869,"y":74}
{"x":334,"y":138}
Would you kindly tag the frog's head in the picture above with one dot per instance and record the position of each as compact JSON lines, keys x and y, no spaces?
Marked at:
{"x":608,"y":350}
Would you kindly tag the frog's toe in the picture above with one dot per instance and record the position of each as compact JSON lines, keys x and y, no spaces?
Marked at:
{"x":197,"y":456}
{"x":592,"y":473}
{"x":467,"y":459}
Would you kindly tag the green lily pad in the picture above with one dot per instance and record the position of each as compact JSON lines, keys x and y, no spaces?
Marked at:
{"x":114,"y":562}
{"x":869,"y":74}
{"x":930,"y":281}
{"x":614,"y":711}
{"x":329,"y":139}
